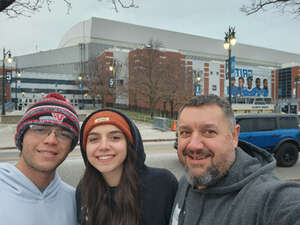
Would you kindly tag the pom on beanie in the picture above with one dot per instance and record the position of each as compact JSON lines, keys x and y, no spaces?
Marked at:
{"x":52,"y":110}
{"x":106,"y":117}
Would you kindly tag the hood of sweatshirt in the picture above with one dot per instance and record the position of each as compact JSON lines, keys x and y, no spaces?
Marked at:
{"x":14,"y":182}
{"x":137,"y":139}
{"x":250,"y":162}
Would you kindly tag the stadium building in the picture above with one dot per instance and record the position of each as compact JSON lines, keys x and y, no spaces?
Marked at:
{"x":262,"y":77}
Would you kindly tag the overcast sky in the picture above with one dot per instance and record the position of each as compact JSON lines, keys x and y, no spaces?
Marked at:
{"x":44,"y":30}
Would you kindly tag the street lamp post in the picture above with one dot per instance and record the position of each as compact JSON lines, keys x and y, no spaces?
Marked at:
{"x":297,"y":79}
{"x":23,"y":101}
{"x":113,"y":68}
{"x":18,"y":75}
{"x":229,"y":41}
{"x":81,"y":87}
{"x":9,"y":59}
{"x":197,"y":85}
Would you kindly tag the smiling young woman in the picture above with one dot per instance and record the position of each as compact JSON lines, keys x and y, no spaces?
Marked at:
{"x":117,"y":187}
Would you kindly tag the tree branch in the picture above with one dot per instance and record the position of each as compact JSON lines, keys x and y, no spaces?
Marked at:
{"x":5,"y":3}
{"x":28,"y":7}
{"x":121,"y":3}
{"x":282,"y":5}
{"x":15,"y":8}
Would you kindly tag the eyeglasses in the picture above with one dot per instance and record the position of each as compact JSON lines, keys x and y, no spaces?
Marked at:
{"x":45,"y":131}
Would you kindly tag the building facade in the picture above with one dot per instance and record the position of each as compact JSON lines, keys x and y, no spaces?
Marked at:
{"x":274,"y":73}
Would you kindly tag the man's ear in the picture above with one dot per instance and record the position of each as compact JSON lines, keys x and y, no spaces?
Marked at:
{"x":235,"y":135}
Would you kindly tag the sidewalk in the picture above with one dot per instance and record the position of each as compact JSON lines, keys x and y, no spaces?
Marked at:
{"x":148,"y":133}
{"x":7,"y":135}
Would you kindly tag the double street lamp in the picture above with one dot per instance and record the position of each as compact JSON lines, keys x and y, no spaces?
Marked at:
{"x":229,"y":41}
{"x":9,"y":59}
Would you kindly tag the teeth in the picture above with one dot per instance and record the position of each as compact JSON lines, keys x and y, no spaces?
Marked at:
{"x":104,"y":157}
{"x":201,"y":157}
{"x":48,"y":153}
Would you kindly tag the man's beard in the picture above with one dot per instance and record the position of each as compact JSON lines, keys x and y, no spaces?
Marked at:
{"x":211,"y":175}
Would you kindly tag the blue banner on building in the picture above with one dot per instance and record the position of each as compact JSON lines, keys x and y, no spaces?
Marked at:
{"x":197,"y":90}
{"x":232,"y":60}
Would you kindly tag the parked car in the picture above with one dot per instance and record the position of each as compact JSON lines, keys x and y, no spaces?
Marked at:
{"x":276,"y":133}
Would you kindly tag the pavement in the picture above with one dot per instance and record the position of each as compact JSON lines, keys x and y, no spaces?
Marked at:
{"x":148,"y":133}
{"x":7,"y":132}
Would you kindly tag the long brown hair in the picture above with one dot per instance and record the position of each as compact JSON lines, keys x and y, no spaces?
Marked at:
{"x":101,"y":207}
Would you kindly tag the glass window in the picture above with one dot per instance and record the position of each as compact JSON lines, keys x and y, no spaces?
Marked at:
{"x":264,"y":124}
{"x":257,"y":124}
{"x":288,"y":122}
{"x":246,"y":124}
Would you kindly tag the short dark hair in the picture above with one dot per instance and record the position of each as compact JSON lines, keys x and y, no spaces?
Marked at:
{"x":202,"y":100}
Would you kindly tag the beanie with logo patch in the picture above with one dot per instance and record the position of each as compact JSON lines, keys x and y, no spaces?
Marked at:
{"x":52,"y":110}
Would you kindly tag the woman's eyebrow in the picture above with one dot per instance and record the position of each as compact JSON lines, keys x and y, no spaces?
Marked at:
{"x":116,"y":132}
{"x":92,"y":133}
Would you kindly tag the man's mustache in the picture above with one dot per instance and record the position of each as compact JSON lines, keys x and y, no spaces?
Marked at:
{"x":197,"y":153}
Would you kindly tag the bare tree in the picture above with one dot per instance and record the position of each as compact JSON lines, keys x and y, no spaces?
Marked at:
{"x":145,"y":75}
{"x":101,"y":80}
{"x":97,"y":81}
{"x":176,"y":81}
{"x":157,"y":77}
{"x":291,"y":6}
{"x":15,"y":8}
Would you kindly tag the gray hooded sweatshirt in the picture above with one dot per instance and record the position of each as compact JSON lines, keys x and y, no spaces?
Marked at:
{"x":248,"y":195}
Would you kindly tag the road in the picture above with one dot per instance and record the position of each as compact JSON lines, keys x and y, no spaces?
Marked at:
{"x":164,"y":146}
{"x":159,"y":154}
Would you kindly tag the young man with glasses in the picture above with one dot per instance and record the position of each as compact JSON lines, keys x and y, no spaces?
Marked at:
{"x":31,"y":191}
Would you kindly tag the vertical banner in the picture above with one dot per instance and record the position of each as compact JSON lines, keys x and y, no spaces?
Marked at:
{"x":197,"y":90}
{"x":232,"y":60}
